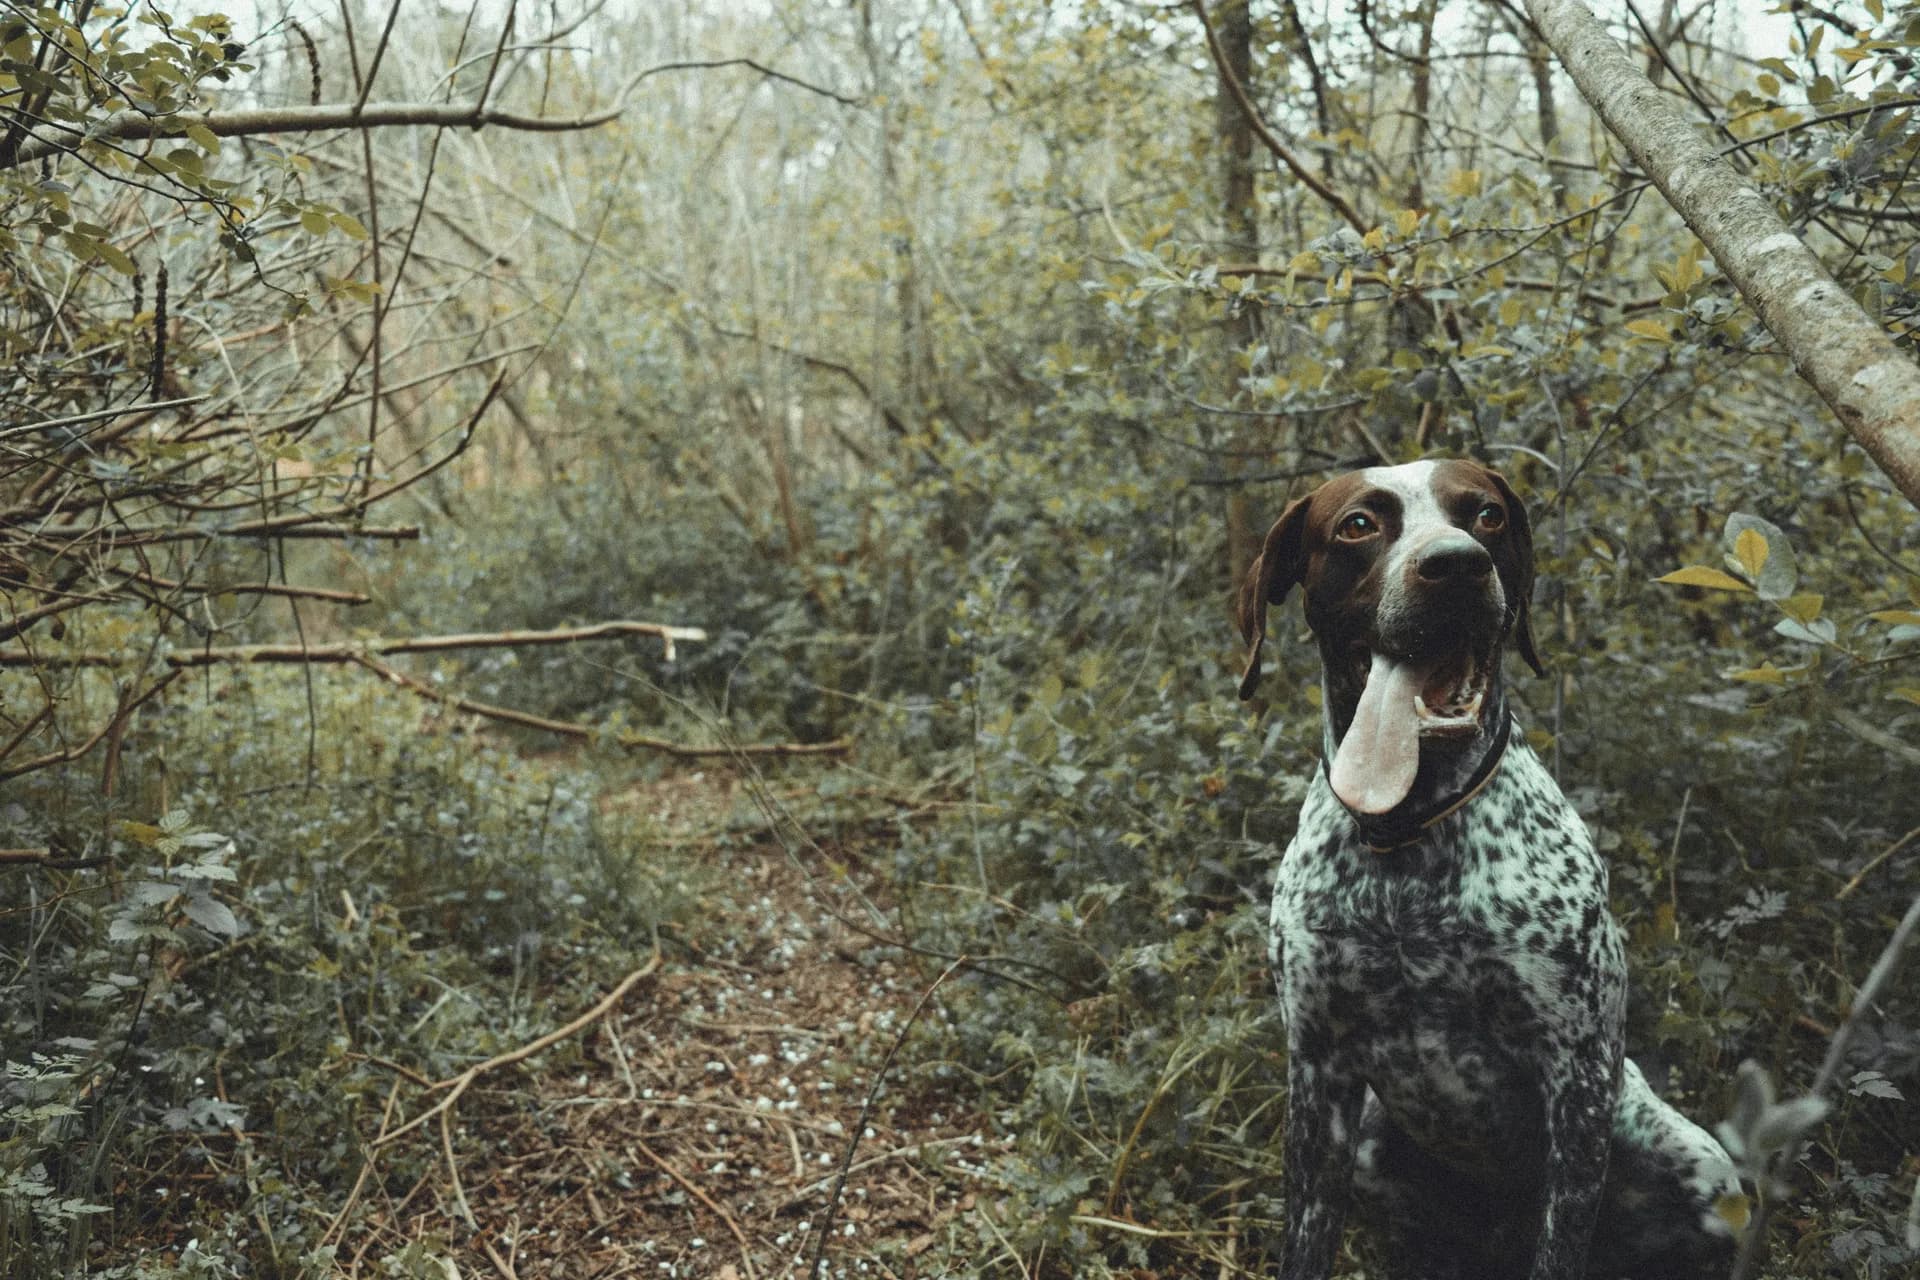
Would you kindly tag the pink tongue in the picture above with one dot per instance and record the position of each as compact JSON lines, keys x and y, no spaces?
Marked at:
{"x":1374,"y":768}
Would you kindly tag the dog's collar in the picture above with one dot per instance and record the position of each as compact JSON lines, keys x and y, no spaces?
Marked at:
{"x":1385,"y":832}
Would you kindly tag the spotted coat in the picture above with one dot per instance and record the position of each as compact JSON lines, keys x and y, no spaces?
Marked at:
{"x":1454,"y":1009}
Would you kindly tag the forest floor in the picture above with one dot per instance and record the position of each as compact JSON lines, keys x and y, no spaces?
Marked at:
{"x":698,"y":1128}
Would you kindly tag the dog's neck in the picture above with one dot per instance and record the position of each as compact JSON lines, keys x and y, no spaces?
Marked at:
{"x":1450,"y":767}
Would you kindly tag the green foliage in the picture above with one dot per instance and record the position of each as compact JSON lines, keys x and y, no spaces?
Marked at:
{"x":951,"y":417}
{"x":194,"y":1035}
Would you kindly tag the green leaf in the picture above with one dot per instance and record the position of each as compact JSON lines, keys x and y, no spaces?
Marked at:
{"x":212,"y":915}
{"x":1765,"y":673}
{"x":1819,"y":631}
{"x":1699,"y":575}
{"x":113,"y":257}
{"x":1652,"y":330}
{"x":204,"y":138}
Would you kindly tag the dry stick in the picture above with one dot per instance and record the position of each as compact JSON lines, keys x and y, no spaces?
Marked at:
{"x":67,"y":754}
{"x":866,"y":1111}
{"x":457,"y":1085}
{"x":1881,"y":973}
{"x":746,"y":1251}
{"x":352,"y":651}
{"x":1847,"y":889}
{"x":586,"y":733}
{"x":366,"y":1168}
{"x":500,"y":1264}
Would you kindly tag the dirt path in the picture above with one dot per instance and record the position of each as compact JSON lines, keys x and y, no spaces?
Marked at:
{"x":703,"y":1132}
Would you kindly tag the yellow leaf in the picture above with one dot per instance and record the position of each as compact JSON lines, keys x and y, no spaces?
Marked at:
{"x":1304,"y":262}
{"x":1897,"y":617}
{"x":1765,"y":673}
{"x":140,"y":833}
{"x":1750,"y":549}
{"x":1699,"y":575}
{"x":1375,"y":240}
{"x":1909,"y":692}
{"x":1801,"y":608}
{"x":1651,"y":329}
{"x":1409,"y":222}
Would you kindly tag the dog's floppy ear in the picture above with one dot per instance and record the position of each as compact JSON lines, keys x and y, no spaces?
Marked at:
{"x":1273,"y":573}
{"x":1521,"y":588}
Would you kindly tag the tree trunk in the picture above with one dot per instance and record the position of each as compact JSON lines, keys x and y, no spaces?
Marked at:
{"x":1835,"y":346}
{"x":1239,"y":217}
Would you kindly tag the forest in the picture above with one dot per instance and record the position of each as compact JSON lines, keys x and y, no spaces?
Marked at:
{"x":617,"y":634}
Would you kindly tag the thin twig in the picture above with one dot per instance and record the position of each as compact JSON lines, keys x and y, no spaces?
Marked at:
{"x":1306,"y":176}
{"x":1882,"y":972}
{"x":740,"y":1237}
{"x":1846,"y":890}
{"x":866,"y":1111}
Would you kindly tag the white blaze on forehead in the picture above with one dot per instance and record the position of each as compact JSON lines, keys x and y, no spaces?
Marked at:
{"x":1422,"y":522}
{"x":1412,"y":483}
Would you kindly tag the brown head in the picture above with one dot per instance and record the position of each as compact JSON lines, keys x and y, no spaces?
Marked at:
{"x":1413,"y":577}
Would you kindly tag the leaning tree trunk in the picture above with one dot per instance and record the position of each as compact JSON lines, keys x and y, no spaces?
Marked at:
{"x":1836,"y":346}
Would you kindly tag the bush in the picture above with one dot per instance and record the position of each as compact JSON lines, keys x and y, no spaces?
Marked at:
{"x":195,"y":1026}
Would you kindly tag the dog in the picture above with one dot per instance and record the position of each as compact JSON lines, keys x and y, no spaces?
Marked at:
{"x":1452,"y":981}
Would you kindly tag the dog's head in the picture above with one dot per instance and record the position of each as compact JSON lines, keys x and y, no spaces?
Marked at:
{"x":1413,"y":578}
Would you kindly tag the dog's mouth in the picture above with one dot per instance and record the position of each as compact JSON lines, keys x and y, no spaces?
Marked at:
{"x":1403,"y":700}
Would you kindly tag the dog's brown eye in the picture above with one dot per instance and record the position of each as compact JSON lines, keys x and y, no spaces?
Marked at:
{"x":1357,"y":526}
{"x":1491,"y":519}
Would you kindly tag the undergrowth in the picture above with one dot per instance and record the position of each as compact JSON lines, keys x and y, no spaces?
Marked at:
{"x":278,"y":902}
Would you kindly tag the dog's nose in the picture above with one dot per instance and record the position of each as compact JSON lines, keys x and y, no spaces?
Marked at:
{"x":1460,"y":560}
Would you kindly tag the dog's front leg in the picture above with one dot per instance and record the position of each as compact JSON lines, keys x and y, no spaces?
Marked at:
{"x":1323,"y":1124}
{"x":1580,"y":1090}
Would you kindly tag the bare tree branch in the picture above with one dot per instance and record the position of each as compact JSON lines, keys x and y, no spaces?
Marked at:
{"x":1848,"y":358}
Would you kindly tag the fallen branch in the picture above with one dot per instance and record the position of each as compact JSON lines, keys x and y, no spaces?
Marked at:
{"x":355,"y":650}
{"x":457,"y":1085}
{"x":100,"y":537}
{"x":587,"y":733}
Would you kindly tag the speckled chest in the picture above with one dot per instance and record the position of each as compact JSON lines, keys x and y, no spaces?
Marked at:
{"x":1444,"y":973}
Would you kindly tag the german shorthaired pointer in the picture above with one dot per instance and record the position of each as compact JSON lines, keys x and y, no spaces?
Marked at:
{"x":1453,"y":985}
